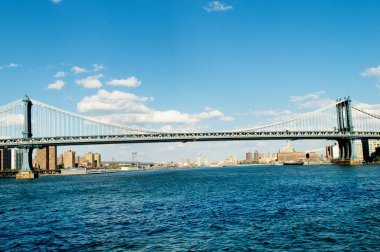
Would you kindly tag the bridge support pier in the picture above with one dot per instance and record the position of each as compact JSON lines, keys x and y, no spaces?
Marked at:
{"x":347,"y":153}
{"x":27,"y":171}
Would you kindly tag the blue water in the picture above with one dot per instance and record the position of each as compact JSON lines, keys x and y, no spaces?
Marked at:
{"x":239,"y":208}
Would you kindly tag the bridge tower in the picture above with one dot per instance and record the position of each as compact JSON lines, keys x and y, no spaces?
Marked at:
{"x":347,"y":153}
{"x":27,"y":171}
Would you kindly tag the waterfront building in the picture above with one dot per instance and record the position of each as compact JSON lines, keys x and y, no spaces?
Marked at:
{"x":267,"y":158}
{"x":98,"y":160}
{"x":5,"y":158}
{"x":288,"y":154}
{"x":248,"y":157}
{"x":256,"y":156}
{"x":16,"y":158}
{"x":52,"y":157}
{"x":60,"y":159}
{"x":69,"y":159}
{"x":41,"y":159}
{"x":231,"y":161}
{"x":46,"y":158}
{"x":359,"y":149}
{"x":369,"y":148}
{"x":202,"y":160}
{"x":89,"y":159}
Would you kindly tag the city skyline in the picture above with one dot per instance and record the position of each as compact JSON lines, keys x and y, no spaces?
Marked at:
{"x":199,"y":65}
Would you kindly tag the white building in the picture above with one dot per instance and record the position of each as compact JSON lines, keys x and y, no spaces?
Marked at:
{"x":16,"y":158}
{"x":358,"y":149}
{"x":202,"y":160}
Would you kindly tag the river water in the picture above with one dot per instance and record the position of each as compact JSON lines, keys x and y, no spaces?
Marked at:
{"x":209,"y":209}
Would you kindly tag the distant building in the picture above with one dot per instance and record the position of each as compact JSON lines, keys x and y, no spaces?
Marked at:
{"x":60,"y":159}
{"x":46,"y":158}
{"x":332,"y":152}
{"x":267,"y":158}
{"x":359,"y":149}
{"x":288,"y":154}
{"x":230,"y":161}
{"x":5,"y":158}
{"x":369,"y":148}
{"x":202,"y":160}
{"x":16,"y":158}
{"x":69,"y":159}
{"x":248,"y":157}
{"x":98,"y":160}
{"x":256,"y":156}
{"x":89,"y":159}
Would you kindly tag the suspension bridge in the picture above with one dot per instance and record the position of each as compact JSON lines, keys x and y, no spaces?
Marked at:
{"x":343,"y":121}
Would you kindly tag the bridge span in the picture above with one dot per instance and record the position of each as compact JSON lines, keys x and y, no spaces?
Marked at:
{"x":343,"y":121}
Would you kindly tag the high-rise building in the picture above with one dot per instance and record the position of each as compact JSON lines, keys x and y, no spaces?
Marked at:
{"x":69,"y":159}
{"x":42,"y":158}
{"x":358,"y":149}
{"x":5,"y":158}
{"x":256,"y":156}
{"x":16,"y":158}
{"x":60,"y":159}
{"x":89,"y":158}
{"x":248,"y":157}
{"x":369,"y":148}
{"x":46,"y":158}
{"x":52,"y":157}
{"x":98,"y":160}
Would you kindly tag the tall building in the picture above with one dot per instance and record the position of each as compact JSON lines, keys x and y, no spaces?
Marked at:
{"x":16,"y":158}
{"x":248,"y":157}
{"x":369,"y":148}
{"x":98,"y":160}
{"x":256,"y":156}
{"x":46,"y":158}
{"x":5,"y":158}
{"x":52,"y":157}
{"x":90,"y":159}
{"x":358,"y":149}
{"x":69,"y":159}
{"x":60,"y":159}
{"x":42,"y":158}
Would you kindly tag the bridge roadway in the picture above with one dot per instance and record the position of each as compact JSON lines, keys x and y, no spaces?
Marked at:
{"x":37,"y":142}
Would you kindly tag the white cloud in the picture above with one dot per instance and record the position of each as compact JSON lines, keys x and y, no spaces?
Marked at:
{"x":90,"y":81}
{"x":60,"y":74}
{"x":12,"y":65}
{"x":313,"y":96}
{"x":168,"y":116}
{"x":129,"y":82}
{"x":115,"y":101}
{"x":97,"y":67}
{"x":272,"y":113}
{"x":217,"y":6}
{"x":311,"y":100}
{"x":55,"y":1}
{"x":127,"y":108}
{"x":78,"y":70}
{"x":58,"y":85}
{"x":371,"y":72}
{"x":315,"y":103}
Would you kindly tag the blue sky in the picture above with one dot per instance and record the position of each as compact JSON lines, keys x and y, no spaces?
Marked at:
{"x":189,"y":64}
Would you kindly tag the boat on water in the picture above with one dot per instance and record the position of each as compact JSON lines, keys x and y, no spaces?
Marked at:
{"x":293,"y":163}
